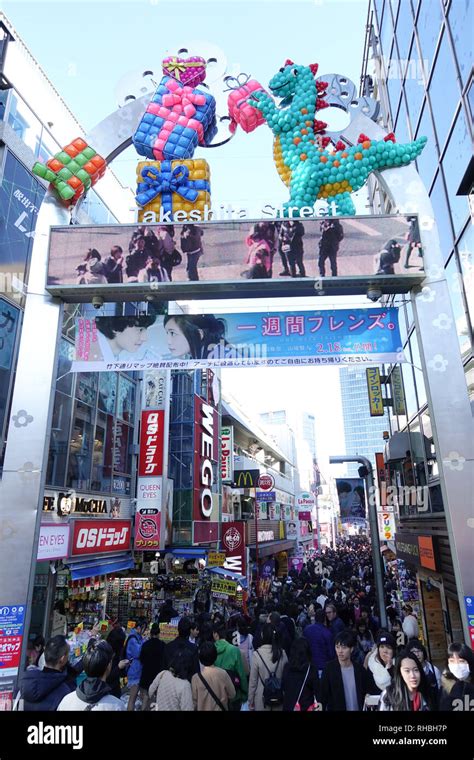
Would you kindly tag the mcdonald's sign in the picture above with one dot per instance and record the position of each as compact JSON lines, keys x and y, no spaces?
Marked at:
{"x":246,"y":478}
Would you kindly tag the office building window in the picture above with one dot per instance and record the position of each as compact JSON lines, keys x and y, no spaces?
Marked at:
{"x":455,"y":285}
{"x":461,"y":23}
{"x":409,"y":385}
{"x":417,"y":370}
{"x":59,"y":443}
{"x":86,"y":387}
{"x":122,"y":448}
{"x":427,"y":161}
{"x":394,"y":83}
{"x":404,"y":31}
{"x":466,"y":256}
{"x":126,"y":400}
{"x":10,"y":319}
{"x":470,"y":98}
{"x":441,"y":213}
{"x":414,"y":84}
{"x":102,"y":455}
{"x":455,"y":161}
{"x":108,"y":392}
{"x":429,"y":22}
{"x":81,"y":448}
{"x":444,"y":91}
{"x":386,"y":32}
{"x":401,"y":126}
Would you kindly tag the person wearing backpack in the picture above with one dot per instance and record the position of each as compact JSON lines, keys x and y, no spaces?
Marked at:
{"x":268,"y":662}
{"x":230,"y":659}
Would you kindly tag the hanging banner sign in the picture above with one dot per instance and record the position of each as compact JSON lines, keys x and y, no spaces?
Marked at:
{"x":147,"y":530}
{"x":304,"y":338}
{"x":233,"y":542}
{"x":351,"y":495}
{"x":266,"y":496}
{"x":305,"y":500}
{"x":53,"y":542}
{"x":374,"y":389}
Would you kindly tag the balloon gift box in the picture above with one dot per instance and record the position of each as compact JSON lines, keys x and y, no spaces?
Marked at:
{"x":240,"y":111}
{"x":188,"y":71}
{"x":178,"y":119}
{"x":72,"y":171}
{"x":173,"y":186}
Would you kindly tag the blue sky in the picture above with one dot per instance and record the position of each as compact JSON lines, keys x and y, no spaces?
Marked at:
{"x":93,"y":52}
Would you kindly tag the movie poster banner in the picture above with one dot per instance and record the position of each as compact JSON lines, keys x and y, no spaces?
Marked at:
{"x":189,"y":341}
{"x":234,"y":250}
{"x":351,"y":495}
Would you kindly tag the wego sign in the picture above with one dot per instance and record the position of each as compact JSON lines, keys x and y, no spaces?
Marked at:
{"x":205,"y":457}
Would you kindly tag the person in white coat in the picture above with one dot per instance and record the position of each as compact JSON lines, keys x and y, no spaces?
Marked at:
{"x":93,"y":694}
{"x":410,"y":623}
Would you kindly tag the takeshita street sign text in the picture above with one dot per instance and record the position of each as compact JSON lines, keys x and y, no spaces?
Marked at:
{"x":245,"y":258}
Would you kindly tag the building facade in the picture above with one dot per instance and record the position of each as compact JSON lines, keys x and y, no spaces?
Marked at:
{"x":418,"y":64}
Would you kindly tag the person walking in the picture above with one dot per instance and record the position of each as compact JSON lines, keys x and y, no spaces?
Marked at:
{"x":212,"y":688}
{"x":43,"y":689}
{"x":300,"y":680}
{"x":431,"y":672}
{"x":116,"y":638}
{"x":173,"y":686}
{"x":230,"y":659}
{"x":344,"y":683}
{"x":290,"y":243}
{"x":409,"y":689}
{"x":380,"y":661}
{"x":458,"y":679}
{"x":94,"y":693}
{"x":410,"y":622}
{"x":268,"y":663}
{"x":191,"y":245}
{"x":320,"y":641}
{"x":152,"y":658}
{"x":334,"y":622}
{"x":132,"y":650}
{"x":182,"y":642}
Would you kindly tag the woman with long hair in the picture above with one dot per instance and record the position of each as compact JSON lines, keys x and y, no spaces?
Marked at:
{"x":197,"y":336}
{"x":300,"y":680}
{"x":457,"y":681}
{"x":409,"y":689}
{"x":268,"y":663}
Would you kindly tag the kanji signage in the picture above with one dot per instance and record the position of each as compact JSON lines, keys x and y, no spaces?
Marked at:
{"x":374,"y":389}
{"x":305,"y":338}
{"x":151,"y":443}
{"x":224,"y":587}
{"x":100,"y":537}
{"x":216,"y":559}
{"x":233,"y":542}
{"x":398,"y":396}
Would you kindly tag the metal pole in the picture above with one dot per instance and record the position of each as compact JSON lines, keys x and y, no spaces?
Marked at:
{"x":374,"y":532}
{"x":256,"y":550}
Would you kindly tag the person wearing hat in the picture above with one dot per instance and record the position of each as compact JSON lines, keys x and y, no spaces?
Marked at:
{"x":380,"y":661}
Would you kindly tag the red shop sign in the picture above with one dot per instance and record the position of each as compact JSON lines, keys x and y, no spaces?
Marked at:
{"x":151,"y":443}
{"x":100,"y":536}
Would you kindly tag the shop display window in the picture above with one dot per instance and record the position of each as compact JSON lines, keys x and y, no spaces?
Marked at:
{"x":102,"y":455}
{"x":108,"y":392}
{"x":81,"y":448}
{"x":126,"y":400}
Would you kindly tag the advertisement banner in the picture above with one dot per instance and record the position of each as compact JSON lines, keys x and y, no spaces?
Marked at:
{"x":12,"y":618}
{"x":151,"y":443}
{"x":266,"y":482}
{"x":188,"y":341}
{"x":351,"y":495}
{"x":58,"y":505}
{"x":233,"y":542}
{"x":374,"y":389}
{"x":100,"y":537}
{"x":234,"y":251}
{"x":292,"y":529}
{"x":53,"y":542}
{"x":154,"y":389}
{"x":225,"y":587}
{"x":305,"y":501}
{"x":227,"y":454}
{"x":206,"y":454}
{"x":386,"y":523}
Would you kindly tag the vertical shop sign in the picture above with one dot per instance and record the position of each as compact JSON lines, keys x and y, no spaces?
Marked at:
{"x":151,"y":443}
{"x":12,"y":618}
{"x":206,"y":452}
{"x":233,"y":542}
{"x":148,"y":515}
{"x":374,"y":389}
{"x":398,"y":397}
{"x":227,"y":453}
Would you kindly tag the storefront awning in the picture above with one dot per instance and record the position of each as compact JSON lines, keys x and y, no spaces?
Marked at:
{"x":273,"y":547}
{"x":87,"y":568}
{"x":187,"y":552}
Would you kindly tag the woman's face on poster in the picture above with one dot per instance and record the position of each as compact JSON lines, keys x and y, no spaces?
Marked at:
{"x":177,"y":342}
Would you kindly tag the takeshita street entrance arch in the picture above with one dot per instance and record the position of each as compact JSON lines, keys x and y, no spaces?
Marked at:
{"x":23,"y":482}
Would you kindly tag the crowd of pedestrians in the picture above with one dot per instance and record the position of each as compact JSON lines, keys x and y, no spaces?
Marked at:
{"x":313,"y":643}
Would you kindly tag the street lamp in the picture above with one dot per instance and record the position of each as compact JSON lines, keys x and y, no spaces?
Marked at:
{"x":374,"y":531}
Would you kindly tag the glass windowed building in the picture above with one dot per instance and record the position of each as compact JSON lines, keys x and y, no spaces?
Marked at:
{"x":418,"y":64}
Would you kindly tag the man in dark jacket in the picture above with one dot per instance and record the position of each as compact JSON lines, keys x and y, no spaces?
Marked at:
{"x":320,"y":641}
{"x":334,"y":622}
{"x":331,"y":235}
{"x":44,"y":689}
{"x":344,"y":683}
{"x":182,"y":642}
